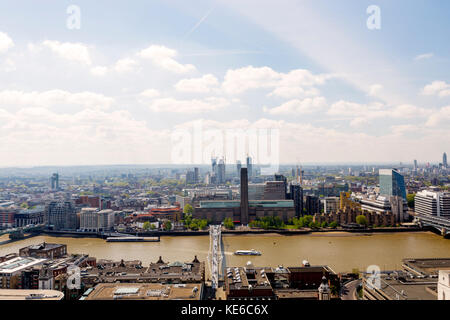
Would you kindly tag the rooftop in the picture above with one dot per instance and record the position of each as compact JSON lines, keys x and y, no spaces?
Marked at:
{"x":427,"y":266}
{"x":144,"y":291}
{"x":24,"y":294}
{"x":19,"y":263}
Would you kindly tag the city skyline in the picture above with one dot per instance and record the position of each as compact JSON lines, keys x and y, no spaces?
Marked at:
{"x":107,"y":99}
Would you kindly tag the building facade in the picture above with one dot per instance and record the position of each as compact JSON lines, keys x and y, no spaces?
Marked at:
{"x":61,"y":215}
{"x":431,"y":202}
{"x":392,"y":183}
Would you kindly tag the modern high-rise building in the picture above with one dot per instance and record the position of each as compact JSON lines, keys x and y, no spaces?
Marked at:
{"x":249,"y":166}
{"x":61,"y":215}
{"x":444,"y":160}
{"x":435,"y":203}
{"x":238,"y":167}
{"x":221,"y":172}
{"x":213,"y":165}
{"x":415,"y":165}
{"x":392,"y":183}
{"x":196,"y":175}
{"x":54,"y":181}
{"x":190,"y":177}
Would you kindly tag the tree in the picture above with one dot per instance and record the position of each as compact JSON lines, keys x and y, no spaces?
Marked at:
{"x":362,"y":220}
{"x":167,"y":225}
{"x":333,"y":225}
{"x":410,"y":199}
{"x":228,"y":223}
{"x":202,"y":224}
{"x":188,"y":209}
{"x":324,"y":224}
{"x":187,"y":220}
{"x":314,"y":225}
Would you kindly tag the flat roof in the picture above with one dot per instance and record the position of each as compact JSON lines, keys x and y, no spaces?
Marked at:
{"x":19,"y":263}
{"x":427,"y":266}
{"x":417,"y":290}
{"x":25,"y":294}
{"x":145,"y":291}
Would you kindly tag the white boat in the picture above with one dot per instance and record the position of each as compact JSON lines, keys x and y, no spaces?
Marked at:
{"x":252,"y":252}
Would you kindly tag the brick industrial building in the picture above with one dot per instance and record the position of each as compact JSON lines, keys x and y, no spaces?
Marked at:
{"x":245,"y":210}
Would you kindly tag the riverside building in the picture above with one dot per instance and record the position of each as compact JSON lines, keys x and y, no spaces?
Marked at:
{"x":431,"y":202}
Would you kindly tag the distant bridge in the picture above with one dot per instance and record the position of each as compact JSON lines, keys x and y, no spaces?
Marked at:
{"x":439,"y":223}
{"x":21,"y":230}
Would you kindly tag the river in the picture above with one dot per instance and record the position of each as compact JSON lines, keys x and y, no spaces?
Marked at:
{"x":343,"y":252}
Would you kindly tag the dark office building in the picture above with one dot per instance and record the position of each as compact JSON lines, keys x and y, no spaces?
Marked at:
{"x":196,"y":175}
{"x":275,"y":190}
{"x":244,"y":196}
{"x":312,"y":205}
{"x":296,"y":194}
{"x":280,"y":177}
{"x":54,"y":181}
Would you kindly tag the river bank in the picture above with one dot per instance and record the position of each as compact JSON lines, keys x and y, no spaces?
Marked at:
{"x":233,"y":232}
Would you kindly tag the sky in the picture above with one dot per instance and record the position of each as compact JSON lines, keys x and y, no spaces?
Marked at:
{"x":286,"y":81}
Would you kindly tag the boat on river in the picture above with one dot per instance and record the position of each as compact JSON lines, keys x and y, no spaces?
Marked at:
{"x":252,"y":252}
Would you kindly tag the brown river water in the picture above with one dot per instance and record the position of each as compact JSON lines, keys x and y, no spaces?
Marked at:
{"x":343,"y":252}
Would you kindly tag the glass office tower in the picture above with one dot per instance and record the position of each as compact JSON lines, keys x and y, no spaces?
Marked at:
{"x":392,"y":183}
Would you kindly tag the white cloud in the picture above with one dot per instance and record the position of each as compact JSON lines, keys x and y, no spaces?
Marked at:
{"x":188,"y":106}
{"x":375,"y":89}
{"x":6,"y":42}
{"x":76,"y":52}
{"x":439,"y":88}
{"x":440,"y":117}
{"x":8,"y":65}
{"x":198,"y":85}
{"x":239,"y":80}
{"x":358,"y":122}
{"x":165,"y":58}
{"x":150,"y":93}
{"x":292,"y":92}
{"x":404,"y":128}
{"x":99,"y":71}
{"x":424,"y":56}
{"x":126,"y":65}
{"x":52,"y":98}
{"x":296,"y":106}
{"x":87,"y":137}
{"x":375,"y":110}
{"x":286,"y":85}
